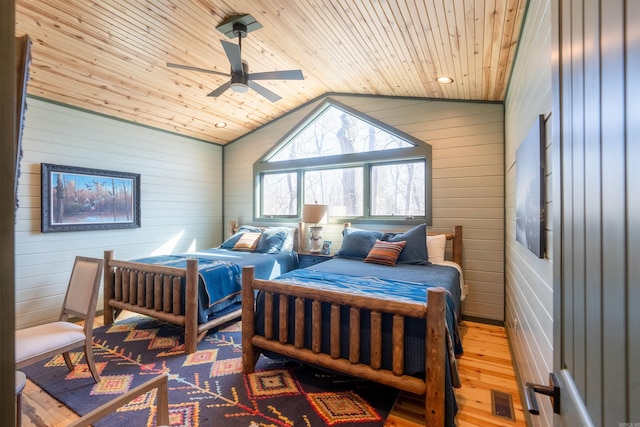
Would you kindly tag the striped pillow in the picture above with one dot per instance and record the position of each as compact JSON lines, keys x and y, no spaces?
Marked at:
{"x":385,"y":253}
{"x":247,"y":242}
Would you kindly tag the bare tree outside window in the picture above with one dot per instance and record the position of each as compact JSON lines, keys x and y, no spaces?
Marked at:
{"x":326,"y":187}
{"x":279,"y":195}
{"x":398,"y":189}
{"x":336,"y":132}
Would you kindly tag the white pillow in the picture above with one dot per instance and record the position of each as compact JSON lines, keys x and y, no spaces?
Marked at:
{"x":436,"y":246}
{"x":288,"y":244}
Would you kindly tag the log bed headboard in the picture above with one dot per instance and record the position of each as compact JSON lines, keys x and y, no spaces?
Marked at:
{"x":455,"y":237}
{"x":233,"y":229}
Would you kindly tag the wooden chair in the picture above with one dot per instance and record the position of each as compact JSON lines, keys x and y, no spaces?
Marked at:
{"x":44,"y":341}
{"x":162,"y":413}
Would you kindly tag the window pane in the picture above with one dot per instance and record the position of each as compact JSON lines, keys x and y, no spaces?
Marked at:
{"x":341,"y":189}
{"x":279,"y":194}
{"x":398,"y":189}
{"x":335,"y":132}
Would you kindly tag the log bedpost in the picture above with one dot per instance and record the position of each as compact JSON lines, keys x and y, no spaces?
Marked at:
{"x":109,"y":286}
{"x":233,"y":227}
{"x":191,"y":307}
{"x":435,"y":357}
{"x":456,"y":255}
{"x":249,"y":354}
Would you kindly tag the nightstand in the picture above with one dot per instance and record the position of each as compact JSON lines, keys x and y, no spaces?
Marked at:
{"x":307,"y":259}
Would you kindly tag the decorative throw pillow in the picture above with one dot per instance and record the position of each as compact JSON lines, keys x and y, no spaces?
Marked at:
{"x":385,"y":253}
{"x":288,"y":244}
{"x":415,"y":251}
{"x":436,"y":246}
{"x":271,"y":240}
{"x":247,"y":242}
{"x":231,"y":241}
{"x":357,"y":243}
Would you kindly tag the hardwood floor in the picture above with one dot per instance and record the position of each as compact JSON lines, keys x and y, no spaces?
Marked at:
{"x":485,"y":365}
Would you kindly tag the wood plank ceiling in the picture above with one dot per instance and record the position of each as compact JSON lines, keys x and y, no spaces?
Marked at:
{"x":110,"y":56}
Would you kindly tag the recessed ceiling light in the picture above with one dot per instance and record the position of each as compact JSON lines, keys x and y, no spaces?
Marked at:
{"x":444,"y":80}
{"x":221,"y":124}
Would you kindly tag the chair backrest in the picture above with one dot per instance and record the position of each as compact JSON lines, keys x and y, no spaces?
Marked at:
{"x":82,"y":293}
{"x":162,"y":395}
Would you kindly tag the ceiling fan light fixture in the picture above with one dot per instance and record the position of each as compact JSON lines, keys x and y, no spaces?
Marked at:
{"x":444,"y":80}
{"x":239,"y":87}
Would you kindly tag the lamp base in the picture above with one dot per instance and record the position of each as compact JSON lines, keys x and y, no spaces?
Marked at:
{"x":315,"y":239}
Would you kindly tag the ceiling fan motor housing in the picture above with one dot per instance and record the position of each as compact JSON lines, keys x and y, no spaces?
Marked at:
{"x":240,"y":30}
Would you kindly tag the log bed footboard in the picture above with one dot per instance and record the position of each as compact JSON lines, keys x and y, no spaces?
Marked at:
{"x":155,"y":291}
{"x":432,"y":386}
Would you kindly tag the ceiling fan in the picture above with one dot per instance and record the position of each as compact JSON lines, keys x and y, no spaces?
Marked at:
{"x":241,"y":80}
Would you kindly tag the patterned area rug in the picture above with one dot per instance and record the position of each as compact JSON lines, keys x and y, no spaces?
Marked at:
{"x":207,"y":388}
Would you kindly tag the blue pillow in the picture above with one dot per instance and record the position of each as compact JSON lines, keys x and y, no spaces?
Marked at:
{"x":415,"y":250}
{"x":231,"y":241}
{"x":357,"y":243}
{"x":271,"y":240}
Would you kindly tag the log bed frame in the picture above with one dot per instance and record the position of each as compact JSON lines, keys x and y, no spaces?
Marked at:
{"x":432,"y":386}
{"x":154,"y":290}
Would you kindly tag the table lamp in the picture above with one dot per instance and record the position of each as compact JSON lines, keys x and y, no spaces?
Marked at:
{"x":315,"y":214}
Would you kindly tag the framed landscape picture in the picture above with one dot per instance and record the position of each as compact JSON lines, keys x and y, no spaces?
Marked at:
{"x":530,"y":230}
{"x":77,"y":199}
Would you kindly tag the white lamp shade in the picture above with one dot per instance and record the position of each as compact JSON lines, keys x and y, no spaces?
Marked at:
{"x":314,"y":214}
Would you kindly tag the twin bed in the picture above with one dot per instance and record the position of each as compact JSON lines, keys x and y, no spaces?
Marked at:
{"x":346,"y":315}
{"x":200,"y":290}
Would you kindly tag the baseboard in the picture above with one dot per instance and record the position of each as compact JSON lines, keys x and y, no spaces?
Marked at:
{"x":519,"y":383}
{"x":483,"y":320}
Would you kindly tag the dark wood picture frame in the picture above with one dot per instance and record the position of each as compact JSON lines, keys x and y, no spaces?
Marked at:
{"x":530,"y":189}
{"x":79,"y":199}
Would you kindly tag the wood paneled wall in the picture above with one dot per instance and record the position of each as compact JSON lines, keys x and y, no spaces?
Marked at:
{"x":529,"y":279}
{"x":181,"y":198}
{"x":468,"y":179}
{"x":596,"y":268}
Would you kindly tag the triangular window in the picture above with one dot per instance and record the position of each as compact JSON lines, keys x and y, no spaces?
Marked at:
{"x":336,"y":131}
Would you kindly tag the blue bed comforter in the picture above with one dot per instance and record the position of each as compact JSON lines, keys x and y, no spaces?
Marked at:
{"x":220,"y":274}
{"x":433,"y":275}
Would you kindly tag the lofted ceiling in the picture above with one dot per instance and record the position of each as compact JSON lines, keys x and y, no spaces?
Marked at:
{"x":110,"y":56}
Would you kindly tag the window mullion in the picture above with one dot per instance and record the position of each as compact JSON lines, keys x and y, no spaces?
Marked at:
{"x":366,"y":195}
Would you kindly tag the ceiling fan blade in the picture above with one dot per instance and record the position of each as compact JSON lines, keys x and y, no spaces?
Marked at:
{"x":273,"y":97}
{"x":220,"y":90}
{"x":202,"y":70}
{"x":278,"y":75}
{"x":233,"y":53}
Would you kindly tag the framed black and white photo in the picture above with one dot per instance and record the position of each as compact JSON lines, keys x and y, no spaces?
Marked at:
{"x":530,"y":230}
{"x":326,"y":247}
{"x":77,"y":199}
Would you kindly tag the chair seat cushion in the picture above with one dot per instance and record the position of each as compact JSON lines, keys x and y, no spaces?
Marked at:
{"x":43,"y":339}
